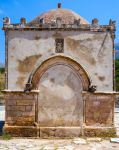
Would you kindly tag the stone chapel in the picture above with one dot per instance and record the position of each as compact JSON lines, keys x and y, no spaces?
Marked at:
{"x":59,"y":76}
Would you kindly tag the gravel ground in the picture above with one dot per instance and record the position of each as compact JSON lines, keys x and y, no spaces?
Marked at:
{"x":67,"y":144}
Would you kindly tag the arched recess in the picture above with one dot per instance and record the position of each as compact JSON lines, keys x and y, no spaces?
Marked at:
{"x":60,"y":81}
{"x":35,"y":76}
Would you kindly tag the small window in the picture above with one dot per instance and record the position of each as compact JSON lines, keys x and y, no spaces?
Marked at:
{"x":59,"y":45}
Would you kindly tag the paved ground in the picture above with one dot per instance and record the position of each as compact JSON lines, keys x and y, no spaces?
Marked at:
{"x":70,"y":144}
{"x":116,"y":120}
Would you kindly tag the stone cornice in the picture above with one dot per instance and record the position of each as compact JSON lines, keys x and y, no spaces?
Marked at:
{"x":101,"y":93}
{"x":94,"y":28}
{"x":19,"y":91}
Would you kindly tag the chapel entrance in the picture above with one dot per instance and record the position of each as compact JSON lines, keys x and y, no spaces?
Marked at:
{"x":60,"y":81}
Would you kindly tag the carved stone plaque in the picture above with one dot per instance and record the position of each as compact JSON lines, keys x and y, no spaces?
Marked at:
{"x":59,"y":45}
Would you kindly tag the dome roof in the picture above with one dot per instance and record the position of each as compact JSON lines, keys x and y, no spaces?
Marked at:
{"x":66,"y":16}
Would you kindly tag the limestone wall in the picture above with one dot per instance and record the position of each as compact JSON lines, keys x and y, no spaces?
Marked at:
{"x":93,"y":50}
{"x":99,"y":109}
{"x":20,"y":108}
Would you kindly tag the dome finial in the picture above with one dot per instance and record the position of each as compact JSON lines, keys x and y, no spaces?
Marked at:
{"x":59,"y":5}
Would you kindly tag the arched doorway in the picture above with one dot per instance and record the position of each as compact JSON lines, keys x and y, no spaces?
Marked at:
{"x":60,"y":81}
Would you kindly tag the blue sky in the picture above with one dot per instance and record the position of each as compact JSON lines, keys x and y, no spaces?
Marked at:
{"x":89,"y":9}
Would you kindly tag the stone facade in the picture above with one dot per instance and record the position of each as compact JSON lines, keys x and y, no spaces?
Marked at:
{"x":59,"y":76}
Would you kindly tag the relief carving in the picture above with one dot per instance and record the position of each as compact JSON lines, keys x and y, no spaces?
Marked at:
{"x":59,"y":45}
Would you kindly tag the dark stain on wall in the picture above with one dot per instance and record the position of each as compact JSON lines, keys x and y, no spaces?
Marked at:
{"x":52,"y":54}
{"x":106,"y":85}
{"x":101,"y":78}
{"x":106,"y":66}
{"x":37,"y":45}
{"x":13,"y":48}
{"x":49,"y":50}
{"x":86,"y":40}
{"x":88,"y":58}
{"x":98,"y":37}
{"x":80,"y":49}
{"x":78,"y":45}
{"x":57,"y":35}
{"x":72,"y":44}
{"x":52,"y":80}
{"x":27,"y":64}
{"x":37,"y":37}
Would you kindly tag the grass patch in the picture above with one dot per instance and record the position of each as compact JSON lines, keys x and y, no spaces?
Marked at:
{"x":6,"y":136}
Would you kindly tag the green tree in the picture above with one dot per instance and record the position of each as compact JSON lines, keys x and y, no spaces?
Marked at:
{"x":117,"y":74}
{"x":2,"y":79}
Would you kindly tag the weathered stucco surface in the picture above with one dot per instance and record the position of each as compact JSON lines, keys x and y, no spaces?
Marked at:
{"x":60,"y":89}
{"x":92,"y":50}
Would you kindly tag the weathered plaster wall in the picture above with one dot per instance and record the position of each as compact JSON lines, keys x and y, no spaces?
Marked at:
{"x":60,"y":87}
{"x":91,"y":49}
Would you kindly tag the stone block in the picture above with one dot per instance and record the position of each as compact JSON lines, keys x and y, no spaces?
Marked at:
{"x":19,"y":113}
{"x":104,"y":97}
{"x":20,"y":108}
{"x":10,"y":113}
{"x":28,"y":114}
{"x":96,"y":103}
{"x":21,"y":131}
{"x":60,"y":132}
{"x":96,"y":115}
{"x":25,"y":102}
{"x":28,"y":96}
{"x":28,"y":108}
{"x":94,"y":112}
{"x":10,"y":102}
{"x":8,"y":108}
{"x":99,"y":131}
{"x":13,"y":96}
{"x":24,"y":121}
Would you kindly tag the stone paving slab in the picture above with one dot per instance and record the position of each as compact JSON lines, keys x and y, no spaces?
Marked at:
{"x":67,"y":144}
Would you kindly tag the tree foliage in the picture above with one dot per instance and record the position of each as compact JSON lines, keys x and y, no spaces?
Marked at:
{"x":2,"y":79}
{"x":117,"y":74}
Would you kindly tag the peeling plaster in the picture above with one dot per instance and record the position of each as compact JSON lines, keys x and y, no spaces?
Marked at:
{"x":27,"y":64}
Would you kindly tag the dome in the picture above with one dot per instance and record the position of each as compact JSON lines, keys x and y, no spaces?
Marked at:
{"x":66,"y":16}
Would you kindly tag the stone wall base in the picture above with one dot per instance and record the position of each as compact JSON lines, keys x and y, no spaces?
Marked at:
{"x":21,"y":131}
{"x":59,"y":132}
{"x":100,"y":131}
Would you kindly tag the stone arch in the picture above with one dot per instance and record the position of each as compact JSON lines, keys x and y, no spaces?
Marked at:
{"x":55,"y":60}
